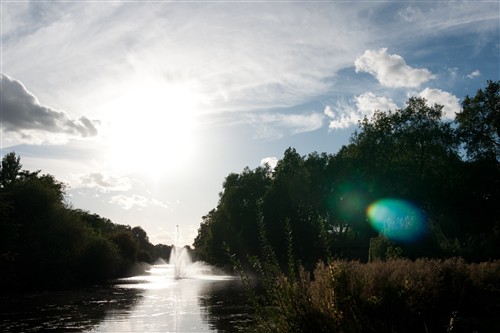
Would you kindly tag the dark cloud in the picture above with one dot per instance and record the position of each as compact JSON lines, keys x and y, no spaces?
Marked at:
{"x":22,"y":111}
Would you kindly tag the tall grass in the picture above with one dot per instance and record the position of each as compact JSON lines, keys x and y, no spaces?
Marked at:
{"x":397,"y":295}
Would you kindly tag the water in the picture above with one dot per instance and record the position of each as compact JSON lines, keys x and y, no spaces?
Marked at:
{"x":158,"y":301}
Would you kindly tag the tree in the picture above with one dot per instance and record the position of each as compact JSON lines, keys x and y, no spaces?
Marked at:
{"x":234,"y":222}
{"x":127,"y":245}
{"x":406,"y":153}
{"x":295,"y":206}
{"x":479,"y":123}
{"x":409,"y":154}
{"x":11,"y":166}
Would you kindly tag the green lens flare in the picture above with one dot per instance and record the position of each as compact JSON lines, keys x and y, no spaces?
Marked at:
{"x":397,"y":219}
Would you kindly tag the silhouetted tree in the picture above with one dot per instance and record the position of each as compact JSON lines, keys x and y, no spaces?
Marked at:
{"x":479,"y":123}
{"x":44,"y":243}
{"x":319,"y":201}
{"x":11,"y":166}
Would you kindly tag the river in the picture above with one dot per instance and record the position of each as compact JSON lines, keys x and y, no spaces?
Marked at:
{"x":153,"y":302}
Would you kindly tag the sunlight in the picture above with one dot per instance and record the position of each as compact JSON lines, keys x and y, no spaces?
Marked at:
{"x":152,"y":128}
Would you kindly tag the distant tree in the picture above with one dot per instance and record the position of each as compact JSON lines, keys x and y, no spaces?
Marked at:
{"x":127,"y":245}
{"x":140,"y":235}
{"x":146,"y":249}
{"x":44,"y":243}
{"x":99,"y":224}
{"x":479,"y":123}
{"x":162,"y":251}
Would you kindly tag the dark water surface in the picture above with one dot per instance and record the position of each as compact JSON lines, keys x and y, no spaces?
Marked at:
{"x":155,"y":302}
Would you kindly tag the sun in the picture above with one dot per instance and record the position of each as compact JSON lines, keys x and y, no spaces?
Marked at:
{"x":152,"y":127}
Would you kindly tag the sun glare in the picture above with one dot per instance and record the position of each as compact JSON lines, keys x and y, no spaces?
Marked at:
{"x":151,"y":130}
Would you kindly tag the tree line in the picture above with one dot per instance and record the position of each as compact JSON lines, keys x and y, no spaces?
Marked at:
{"x":45,"y":243}
{"x":314,"y":207}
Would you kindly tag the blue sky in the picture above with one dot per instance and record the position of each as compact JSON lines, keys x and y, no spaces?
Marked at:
{"x":143,"y":108}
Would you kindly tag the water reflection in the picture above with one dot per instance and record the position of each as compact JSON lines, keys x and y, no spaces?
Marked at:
{"x":225,"y":306}
{"x":192,"y":304}
{"x":68,"y":311}
{"x":154,"y":302}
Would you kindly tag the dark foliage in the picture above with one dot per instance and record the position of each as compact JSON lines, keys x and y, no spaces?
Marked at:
{"x":44,"y":243}
{"x":411,"y":154}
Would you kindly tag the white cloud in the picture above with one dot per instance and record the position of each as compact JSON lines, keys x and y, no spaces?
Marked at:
{"x":474,"y":74}
{"x":391,"y":70}
{"x":449,"y":101}
{"x":368,"y":102}
{"x":106,"y":183}
{"x":24,"y":116}
{"x":128,"y":202}
{"x":275,"y":125}
{"x":271,"y":161}
{"x":344,"y":114}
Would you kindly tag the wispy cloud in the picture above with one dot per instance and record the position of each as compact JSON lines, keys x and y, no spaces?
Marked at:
{"x":348,"y":113}
{"x":275,"y":125}
{"x":449,"y":101}
{"x":391,"y":70}
{"x":33,"y":122}
{"x":474,"y":74}
{"x":411,"y":14}
{"x":238,"y":59}
{"x":106,"y":183}
{"x":135,"y":200}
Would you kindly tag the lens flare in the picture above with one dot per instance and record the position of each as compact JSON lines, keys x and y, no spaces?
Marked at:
{"x":397,"y":219}
{"x":348,"y":201}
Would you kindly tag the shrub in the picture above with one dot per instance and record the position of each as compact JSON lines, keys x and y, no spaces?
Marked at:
{"x":393,"y":296}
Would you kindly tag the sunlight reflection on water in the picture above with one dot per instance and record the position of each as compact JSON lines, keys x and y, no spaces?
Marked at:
{"x":168,"y":304}
{"x":153,"y":302}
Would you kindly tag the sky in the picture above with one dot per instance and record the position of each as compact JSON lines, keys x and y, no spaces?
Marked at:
{"x":143,"y":108}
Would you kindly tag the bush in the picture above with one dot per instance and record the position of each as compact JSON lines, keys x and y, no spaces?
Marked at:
{"x":393,"y":296}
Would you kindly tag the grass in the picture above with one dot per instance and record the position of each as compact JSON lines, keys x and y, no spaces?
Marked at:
{"x":398,"y":295}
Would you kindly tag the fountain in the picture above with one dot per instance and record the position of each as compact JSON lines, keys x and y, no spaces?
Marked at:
{"x":181,"y":266}
{"x":181,"y":261}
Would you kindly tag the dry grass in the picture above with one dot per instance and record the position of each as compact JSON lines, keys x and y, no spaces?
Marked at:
{"x":391,"y":296}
